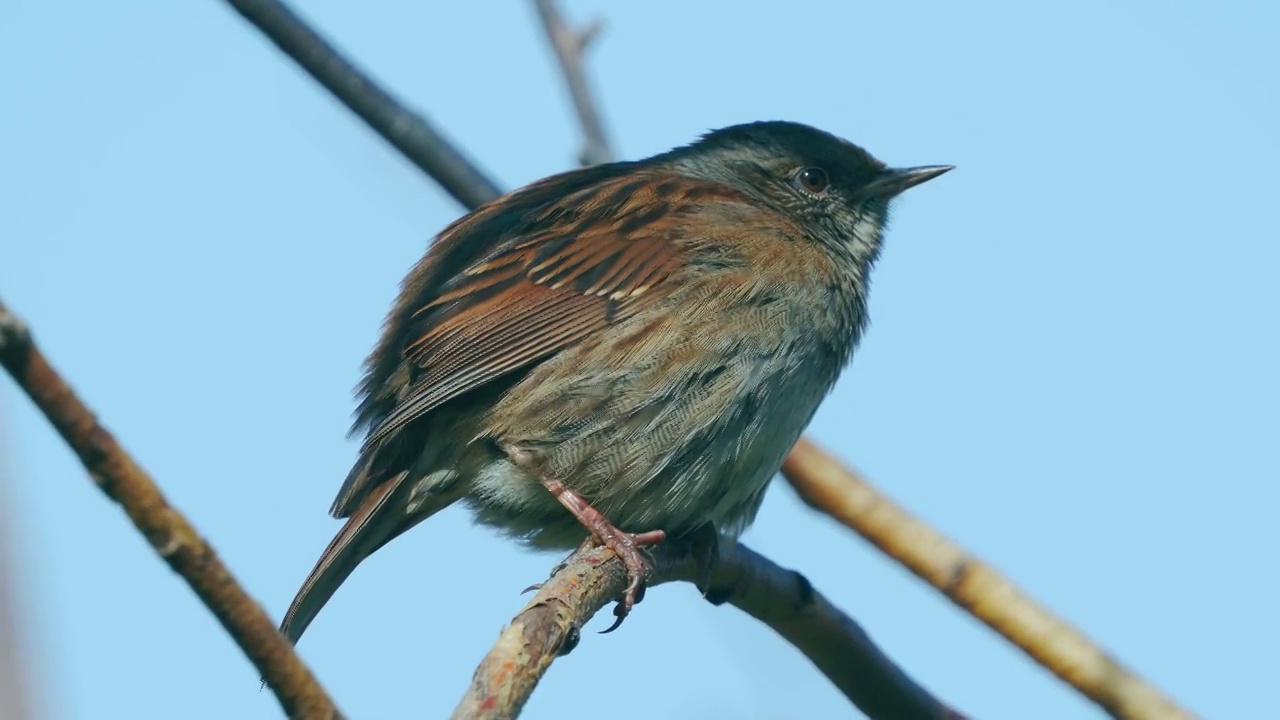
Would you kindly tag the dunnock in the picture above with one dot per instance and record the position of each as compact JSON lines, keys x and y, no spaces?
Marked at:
{"x":620,"y":353}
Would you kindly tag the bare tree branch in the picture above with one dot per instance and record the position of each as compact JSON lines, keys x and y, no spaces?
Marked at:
{"x":569,"y":45}
{"x":550,"y":625}
{"x":406,"y":130}
{"x":172,"y":536}
{"x":827,"y":485}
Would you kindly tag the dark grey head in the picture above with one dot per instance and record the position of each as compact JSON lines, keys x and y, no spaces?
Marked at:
{"x":836,"y":190}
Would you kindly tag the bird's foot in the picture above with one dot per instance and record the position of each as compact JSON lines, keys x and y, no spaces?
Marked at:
{"x":627,"y":547}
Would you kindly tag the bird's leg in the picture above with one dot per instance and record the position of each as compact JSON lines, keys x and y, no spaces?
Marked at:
{"x":603,"y":532}
{"x":623,"y":544}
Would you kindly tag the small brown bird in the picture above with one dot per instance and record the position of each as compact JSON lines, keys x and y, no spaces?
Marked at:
{"x":620,"y":353}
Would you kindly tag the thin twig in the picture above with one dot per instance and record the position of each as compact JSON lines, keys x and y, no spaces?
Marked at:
{"x":406,"y":130}
{"x":569,"y":45}
{"x":829,"y":486}
{"x":170,"y":534}
{"x":550,"y":626}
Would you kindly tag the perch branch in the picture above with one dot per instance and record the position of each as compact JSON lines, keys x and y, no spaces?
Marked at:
{"x":549,"y":626}
{"x":170,"y":534}
{"x":569,"y":46}
{"x":832,"y":488}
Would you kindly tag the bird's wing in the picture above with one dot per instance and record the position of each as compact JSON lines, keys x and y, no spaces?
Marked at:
{"x":573,"y":265}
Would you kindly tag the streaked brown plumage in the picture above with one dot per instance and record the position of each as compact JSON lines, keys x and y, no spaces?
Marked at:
{"x":633,"y":346}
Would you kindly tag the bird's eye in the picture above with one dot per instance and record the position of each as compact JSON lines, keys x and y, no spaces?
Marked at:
{"x":813,"y":179}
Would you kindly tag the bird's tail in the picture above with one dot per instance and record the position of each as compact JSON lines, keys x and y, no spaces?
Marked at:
{"x":378,"y":519}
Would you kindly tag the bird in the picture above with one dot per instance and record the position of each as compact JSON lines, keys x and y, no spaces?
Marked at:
{"x":618,"y":354}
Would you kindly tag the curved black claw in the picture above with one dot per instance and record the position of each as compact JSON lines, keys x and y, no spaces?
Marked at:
{"x":630,"y":597}
{"x":619,"y":615}
{"x":627,"y":547}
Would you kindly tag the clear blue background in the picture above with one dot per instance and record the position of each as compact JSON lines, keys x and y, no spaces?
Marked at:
{"x":1071,"y":368}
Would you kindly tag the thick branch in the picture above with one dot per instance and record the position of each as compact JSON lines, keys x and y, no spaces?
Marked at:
{"x":827,"y":485}
{"x":408,"y":131}
{"x":172,"y":536}
{"x":549,"y":626}
{"x":569,"y":45}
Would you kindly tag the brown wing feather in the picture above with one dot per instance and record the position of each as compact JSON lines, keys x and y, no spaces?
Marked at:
{"x":581,"y":261}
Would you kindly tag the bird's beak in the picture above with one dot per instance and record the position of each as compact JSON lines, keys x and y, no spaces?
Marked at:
{"x":893,"y":181}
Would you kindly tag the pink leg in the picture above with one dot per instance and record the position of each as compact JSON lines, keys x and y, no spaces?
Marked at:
{"x":623,"y":544}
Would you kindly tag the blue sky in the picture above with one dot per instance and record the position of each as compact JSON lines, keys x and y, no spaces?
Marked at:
{"x":1071,"y":368}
